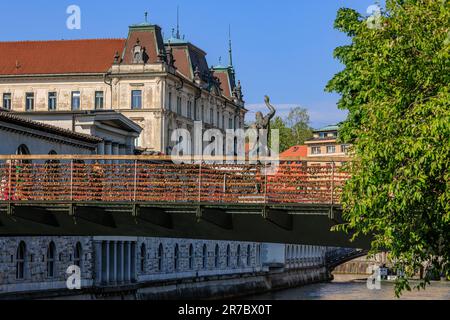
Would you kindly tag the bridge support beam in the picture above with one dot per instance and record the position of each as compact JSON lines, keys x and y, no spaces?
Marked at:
{"x":153,"y":215}
{"x":279,"y":218}
{"x":216,"y":216}
{"x":34,"y":214}
{"x":95,"y":215}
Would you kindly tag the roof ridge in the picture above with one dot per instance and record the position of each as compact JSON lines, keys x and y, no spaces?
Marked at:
{"x":44,"y":126}
{"x":64,"y":40}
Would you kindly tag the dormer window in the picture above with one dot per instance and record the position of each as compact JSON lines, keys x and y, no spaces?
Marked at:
{"x":139,"y":54}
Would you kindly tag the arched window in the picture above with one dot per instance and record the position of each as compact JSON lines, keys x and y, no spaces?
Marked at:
{"x":191,"y":257}
{"x":228,"y":256}
{"x":238,"y":258}
{"x":20,"y":261}
{"x":205,"y":256}
{"x":77,"y":254}
{"x":176,"y":258}
{"x":142,"y":257}
{"x":51,"y":254}
{"x":216,"y":256}
{"x":22,"y":150}
{"x":160,"y":257}
{"x":249,"y":257}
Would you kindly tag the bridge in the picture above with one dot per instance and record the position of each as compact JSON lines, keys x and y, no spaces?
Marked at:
{"x":152,"y":196}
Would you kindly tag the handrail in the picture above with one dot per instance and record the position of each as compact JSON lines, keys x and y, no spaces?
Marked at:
{"x":171,"y":158}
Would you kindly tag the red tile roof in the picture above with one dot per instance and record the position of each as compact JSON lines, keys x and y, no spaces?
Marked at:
{"x":224,"y":82}
{"x":296,"y":151}
{"x":58,"y":57}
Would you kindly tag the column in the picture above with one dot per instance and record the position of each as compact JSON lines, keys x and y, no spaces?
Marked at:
{"x":101,"y":148}
{"x":105,"y":262}
{"x":115,"y":151}
{"x":119,"y":276}
{"x":112,"y":262}
{"x":127,"y":260}
{"x":133,"y":277}
{"x":98,"y":262}
{"x":108,"y":150}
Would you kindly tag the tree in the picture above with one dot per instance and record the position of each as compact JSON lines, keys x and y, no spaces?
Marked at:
{"x":295,"y":130}
{"x":285,"y":133}
{"x":298,"y":121}
{"x":395,"y":85}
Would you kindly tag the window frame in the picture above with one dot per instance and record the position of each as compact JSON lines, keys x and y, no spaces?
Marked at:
{"x":133,"y":101}
{"x":4,"y":104}
{"x":52,"y":100}
{"x":29,"y":98}
{"x":72,"y":97}
{"x":333,"y":148}
{"x":97,"y":100}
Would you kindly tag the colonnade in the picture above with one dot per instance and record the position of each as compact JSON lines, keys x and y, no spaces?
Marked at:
{"x":115,"y":262}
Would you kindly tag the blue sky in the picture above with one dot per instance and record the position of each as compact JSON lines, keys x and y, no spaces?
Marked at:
{"x":281,"y":48}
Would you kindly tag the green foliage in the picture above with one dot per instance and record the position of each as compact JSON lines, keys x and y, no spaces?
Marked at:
{"x":295,"y":130}
{"x":395,"y":85}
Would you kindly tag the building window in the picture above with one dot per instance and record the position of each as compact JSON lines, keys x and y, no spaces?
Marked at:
{"x":230,"y":123}
{"x":76,"y":96}
{"x":179,"y":105}
{"x":160,"y":257}
{"x":203,"y":115}
{"x":249,"y":257}
{"x":211,"y":116}
{"x":345,"y":148}
{"x":196,"y":116}
{"x":191,"y":257}
{"x":99,"y":97}
{"x":142,"y":257}
{"x":316,"y":150}
{"x":205,"y":256}
{"x":189,"y":109}
{"x":20,"y":261}
{"x":322,"y":135}
{"x":7,"y":101}
{"x":331,"y":149}
{"x":29,"y":101}
{"x":170,"y":101}
{"x":51,"y":101}
{"x":217,"y":256}
{"x":136,"y":99}
{"x":218,"y":119}
{"x":77,"y":254}
{"x":176,"y":258}
{"x":51,"y":254}
{"x":228,"y":256}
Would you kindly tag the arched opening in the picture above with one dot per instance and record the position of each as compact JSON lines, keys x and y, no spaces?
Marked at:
{"x":142,"y":258}
{"x":77,"y":254}
{"x":51,"y":254}
{"x":191,"y":257}
{"x":205,"y":256}
{"x":216,"y":256}
{"x":52,"y":183}
{"x":20,"y":261}
{"x":176,"y":258}
{"x":160,"y":257}
{"x":23,"y":150}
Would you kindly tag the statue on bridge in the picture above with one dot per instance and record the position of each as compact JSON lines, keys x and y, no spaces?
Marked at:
{"x":263,"y":122}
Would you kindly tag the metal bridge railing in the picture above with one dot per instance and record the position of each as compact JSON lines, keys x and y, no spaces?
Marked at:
{"x":134,"y":179}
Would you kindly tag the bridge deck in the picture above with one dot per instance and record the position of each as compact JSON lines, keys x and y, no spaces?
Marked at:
{"x":299,"y":203}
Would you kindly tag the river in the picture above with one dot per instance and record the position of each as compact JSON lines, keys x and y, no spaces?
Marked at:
{"x":350,"y":287}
